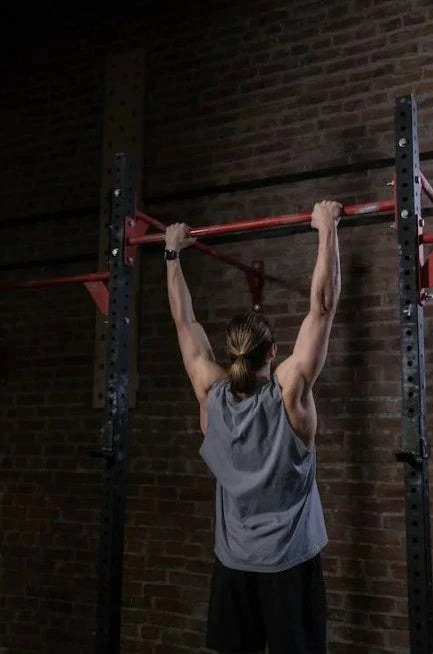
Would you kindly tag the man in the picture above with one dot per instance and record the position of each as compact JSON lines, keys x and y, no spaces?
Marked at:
{"x":259,"y":442}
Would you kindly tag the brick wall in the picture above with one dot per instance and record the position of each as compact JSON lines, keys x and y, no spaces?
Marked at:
{"x":238,"y":91}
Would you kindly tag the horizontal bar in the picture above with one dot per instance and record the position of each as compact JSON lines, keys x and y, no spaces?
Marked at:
{"x":198,"y":245}
{"x":267,"y":223}
{"x":427,"y":237}
{"x":55,"y":281}
{"x":427,"y":187}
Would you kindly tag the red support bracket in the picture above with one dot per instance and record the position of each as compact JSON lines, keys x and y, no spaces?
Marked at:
{"x":56,"y":281}
{"x":100,"y":294}
{"x":256,"y":282}
{"x":255,"y":274}
{"x":94,"y":282}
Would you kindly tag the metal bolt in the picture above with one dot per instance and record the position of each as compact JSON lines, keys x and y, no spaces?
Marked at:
{"x":392,"y":226}
{"x":390,"y":183}
{"x":127,"y":321}
{"x":428,"y":295}
{"x":405,"y":213}
{"x":117,"y":192}
{"x":131,"y":223}
{"x":130,"y":259}
{"x":402,"y":143}
{"x":256,"y":307}
{"x":115,"y":252}
{"x":408,"y":311}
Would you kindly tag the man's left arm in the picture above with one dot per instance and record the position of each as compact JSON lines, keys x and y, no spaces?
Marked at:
{"x":197,"y":354}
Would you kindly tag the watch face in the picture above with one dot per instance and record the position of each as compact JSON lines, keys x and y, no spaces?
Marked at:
{"x":169,"y":255}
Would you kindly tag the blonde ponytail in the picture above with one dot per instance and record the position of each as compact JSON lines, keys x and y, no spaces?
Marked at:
{"x":249,"y":337}
{"x":242,"y":376}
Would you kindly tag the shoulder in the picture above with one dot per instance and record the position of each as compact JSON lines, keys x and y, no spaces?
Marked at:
{"x":300,"y":408}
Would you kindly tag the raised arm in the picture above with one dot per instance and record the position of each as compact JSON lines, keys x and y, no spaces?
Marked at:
{"x":196,"y":350}
{"x":298,"y":373}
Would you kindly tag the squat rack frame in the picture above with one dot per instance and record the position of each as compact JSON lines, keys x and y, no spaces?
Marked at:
{"x":128,"y":230}
{"x":415,"y":276}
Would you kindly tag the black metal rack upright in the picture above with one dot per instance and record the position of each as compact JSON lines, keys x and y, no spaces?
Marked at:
{"x":114,"y":447}
{"x":415,"y":445}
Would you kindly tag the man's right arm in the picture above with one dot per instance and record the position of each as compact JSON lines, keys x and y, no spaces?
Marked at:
{"x":298,"y":373}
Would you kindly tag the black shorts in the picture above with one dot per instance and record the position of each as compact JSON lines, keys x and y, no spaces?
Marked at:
{"x":285,"y":610}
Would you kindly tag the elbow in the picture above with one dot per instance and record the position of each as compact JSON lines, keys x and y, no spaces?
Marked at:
{"x":325,"y":304}
{"x":327,"y":310}
{"x":330,"y":296}
{"x":330,"y":302}
{"x":182,"y":323}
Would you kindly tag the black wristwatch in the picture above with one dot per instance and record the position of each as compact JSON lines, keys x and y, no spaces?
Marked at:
{"x":170,"y":255}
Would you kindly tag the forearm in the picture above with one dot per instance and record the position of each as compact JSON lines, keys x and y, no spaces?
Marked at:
{"x":178,"y":294}
{"x":326,"y":282}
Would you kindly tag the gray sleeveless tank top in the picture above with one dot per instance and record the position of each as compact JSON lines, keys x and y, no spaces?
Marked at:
{"x":269,"y":515}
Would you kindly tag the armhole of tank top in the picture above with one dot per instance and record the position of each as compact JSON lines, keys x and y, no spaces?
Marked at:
{"x":299,"y":442}
{"x":213,"y":389}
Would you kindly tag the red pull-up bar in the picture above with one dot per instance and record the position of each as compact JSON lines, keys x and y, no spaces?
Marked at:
{"x":268,"y":223}
{"x":98,"y":290}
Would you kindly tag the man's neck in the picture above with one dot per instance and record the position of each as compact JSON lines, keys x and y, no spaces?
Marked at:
{"x":264,"y":372}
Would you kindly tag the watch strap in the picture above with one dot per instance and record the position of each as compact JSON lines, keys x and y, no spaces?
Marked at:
{"x":170,"y":255}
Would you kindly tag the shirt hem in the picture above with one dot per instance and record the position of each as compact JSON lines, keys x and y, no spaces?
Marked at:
{"x":270,"y":568}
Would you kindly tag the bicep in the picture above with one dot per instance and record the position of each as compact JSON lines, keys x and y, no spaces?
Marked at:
{"x":198,"y":358}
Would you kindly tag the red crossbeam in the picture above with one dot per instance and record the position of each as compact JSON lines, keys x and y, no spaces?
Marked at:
{"x":55,"y":281}
{"x":268,"y":223}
